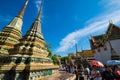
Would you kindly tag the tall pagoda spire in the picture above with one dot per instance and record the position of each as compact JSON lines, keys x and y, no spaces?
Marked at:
{"x":21,"y":13}
{"x":11,"y":33}
{"x":40,"y":11}
{"x":36,"y":26}
{"x":110,"y":22}
{"x":33,"y":42}
{"x":17,"y":21}
{"x":76,"y":47}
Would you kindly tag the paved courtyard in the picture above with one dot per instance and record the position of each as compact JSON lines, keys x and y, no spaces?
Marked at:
{"x":62,"y":75}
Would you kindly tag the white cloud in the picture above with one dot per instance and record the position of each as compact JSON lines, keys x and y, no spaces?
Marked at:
{"x":38,"y":3}
{"x":5,"y":18}
{"x":110,"y":4}
{"x":97,"y":24}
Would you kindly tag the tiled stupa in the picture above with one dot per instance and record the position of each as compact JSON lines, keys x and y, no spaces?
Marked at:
{"x":24,"y":58}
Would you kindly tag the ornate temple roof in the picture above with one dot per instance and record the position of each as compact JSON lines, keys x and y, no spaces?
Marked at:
{"x":113,"y":32}
{"x":97,"y":41}
{"x":87,"y":54}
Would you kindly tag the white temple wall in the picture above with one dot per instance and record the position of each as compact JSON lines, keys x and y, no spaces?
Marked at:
{"x":116,"y":46}
{"x":104,"y":55}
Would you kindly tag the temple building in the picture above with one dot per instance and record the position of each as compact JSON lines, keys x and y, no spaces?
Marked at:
{"x":80,"y":57}
{"x":86,"y":54}
{"x":24,"y":58}
{"x":107,"y":46}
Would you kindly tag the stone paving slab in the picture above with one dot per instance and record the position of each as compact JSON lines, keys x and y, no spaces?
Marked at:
{"x":61,"y":75}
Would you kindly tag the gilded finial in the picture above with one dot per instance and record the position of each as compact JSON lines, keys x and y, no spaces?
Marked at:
{"x":21,"y":13}
{"x":26,"y":2}
{"x":110,"y":22}
{"x":40,"y":11}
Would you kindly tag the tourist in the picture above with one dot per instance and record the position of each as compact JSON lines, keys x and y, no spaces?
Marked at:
{"x":80,"y":72}
{"x":108,"y":74}
{"x":75,"y":69}
{"x":95,"y":74}
{"x":87,"y":72}
{"x":117,"y":72}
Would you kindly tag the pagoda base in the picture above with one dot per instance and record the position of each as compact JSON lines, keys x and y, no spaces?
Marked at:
{"x":25,"y":68}
{"x":27,"y":75}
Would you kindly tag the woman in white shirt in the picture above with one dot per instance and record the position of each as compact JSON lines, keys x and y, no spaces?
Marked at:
{"x":95,"y":74}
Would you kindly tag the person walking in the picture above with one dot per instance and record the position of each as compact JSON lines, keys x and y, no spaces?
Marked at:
{"x":87,"y":72}
{"x":95,"y":74}
{"x":80,"y":72}
{"x":117,"y":72}
{"x":108,"y":74}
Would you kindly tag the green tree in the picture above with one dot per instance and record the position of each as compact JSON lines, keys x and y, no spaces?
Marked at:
{"x":49,"y":53}
{"x":55,"y":60}
{"x":65,"y":59}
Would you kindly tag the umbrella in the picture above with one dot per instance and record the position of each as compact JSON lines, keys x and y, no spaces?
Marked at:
{"x":113,"y":62}
{"x":96,"y":63}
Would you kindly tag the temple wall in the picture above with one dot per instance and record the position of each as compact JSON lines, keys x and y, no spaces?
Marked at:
{"x":116,"y":46}
{"x":104,"y":55}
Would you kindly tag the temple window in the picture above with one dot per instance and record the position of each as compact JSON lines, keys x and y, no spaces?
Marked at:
{"x":105,"y":48}
{"x":98,"y":50}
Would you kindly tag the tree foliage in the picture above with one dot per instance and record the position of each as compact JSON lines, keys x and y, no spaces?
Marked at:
{"x":49,"y":53}
{"x":55,"y":59}
{"x":65,"y":59}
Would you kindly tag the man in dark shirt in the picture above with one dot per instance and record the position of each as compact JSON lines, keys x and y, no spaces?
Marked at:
{"x":108,"y":74}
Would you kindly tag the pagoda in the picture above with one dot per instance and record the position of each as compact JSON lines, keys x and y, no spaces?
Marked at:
{"x":11,"y":33}
{"x":32,"y":44}
{"x":24,"y":58}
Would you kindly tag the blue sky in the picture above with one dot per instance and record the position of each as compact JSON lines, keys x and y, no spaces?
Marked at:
{"x":65,"y":22}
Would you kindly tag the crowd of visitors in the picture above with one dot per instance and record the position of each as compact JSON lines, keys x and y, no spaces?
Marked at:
{"x":95,"y":73}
